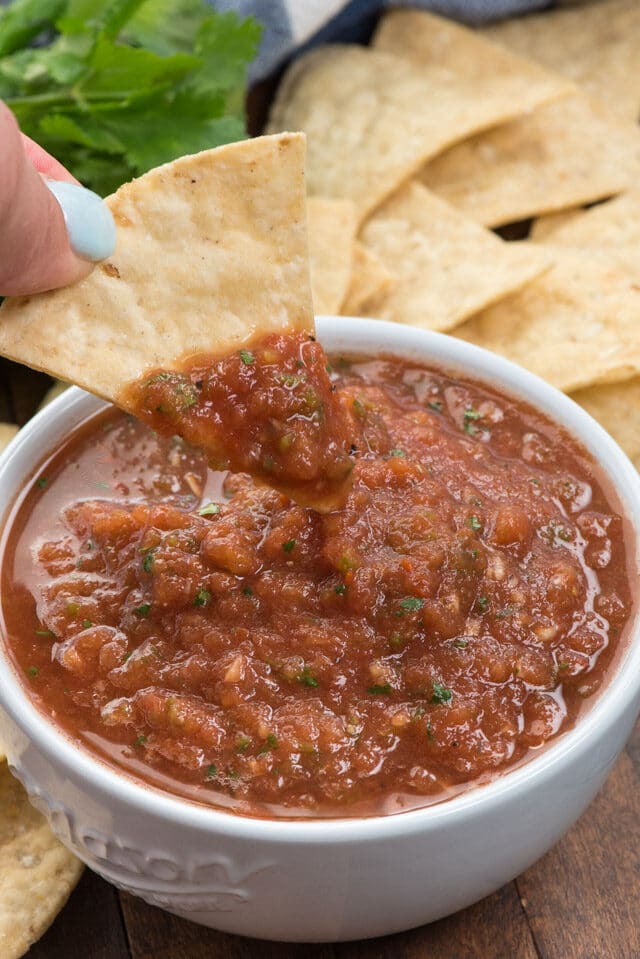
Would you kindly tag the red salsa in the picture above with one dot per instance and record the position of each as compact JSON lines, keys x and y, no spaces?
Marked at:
{"x":210,"y":636}
{"x":269,"y":409}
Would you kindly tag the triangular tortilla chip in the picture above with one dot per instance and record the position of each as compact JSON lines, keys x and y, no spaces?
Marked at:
{"x":446,"y":266}
{"x":546,"y":225}
{"x":612,"y":225}
{"x":595,"y":44}
{"x":575,"y":326}
{"x":370,"y":279}
{"x":617,"y":408}
{"x":211,"y":249}
{"x":332,"y":226}
{"x":373,"y":119}
{"x":7,"y":432}
{"x":562,"y":155}
{"x":37,"y":874}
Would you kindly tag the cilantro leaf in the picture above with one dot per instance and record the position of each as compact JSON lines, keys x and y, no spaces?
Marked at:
{"x":122,"y":86}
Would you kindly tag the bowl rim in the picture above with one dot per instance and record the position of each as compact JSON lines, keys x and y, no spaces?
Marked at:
{"x":622,"y":691}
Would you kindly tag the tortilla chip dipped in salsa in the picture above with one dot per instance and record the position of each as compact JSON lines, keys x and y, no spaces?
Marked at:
{"x":206,"y":307}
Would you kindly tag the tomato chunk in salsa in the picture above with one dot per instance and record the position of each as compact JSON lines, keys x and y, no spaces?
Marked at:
{"x":269,"y":409}
{"x":212,"y":637}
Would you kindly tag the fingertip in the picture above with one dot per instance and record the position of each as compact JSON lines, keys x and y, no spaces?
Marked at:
{"x":90,"y":225}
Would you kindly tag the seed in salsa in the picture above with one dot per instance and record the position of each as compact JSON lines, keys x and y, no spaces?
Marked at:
{"x":212,"y":637}
{"x":269,"y":410}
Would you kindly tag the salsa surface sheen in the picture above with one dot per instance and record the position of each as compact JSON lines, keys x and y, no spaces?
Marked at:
{"x":211,"y":637}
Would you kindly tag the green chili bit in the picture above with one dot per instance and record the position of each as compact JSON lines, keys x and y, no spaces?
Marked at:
{"x":382,"y":689}
{"x":45,"y":632}
{"x":242,"y":743}
{"x":202,"y":598}
{"x":247,"y":591}
{"x":209,"y":510}
{"x":482,"y":603}
{"x":142,"y":611}
{"x":440,"y":695}
{"x":475,"y":523}
{"x":289,"y":545}
{"x":460,"y":643}
{"x":147,"y":563}
{"x":397,"y":454}
{"x":470,"y":415}
{"x":271,"y":743}
{"x":306,"y":678}
{"x":42,"y":482}
{"x":212,"y":771}
{"x":435,"y":405}
{"x":247,"y":357}
{"x":87,"y":623}
{"x":140,"y":741}
{"x":32,"y":671}
{"x":410,"y":604}
{"x":340,"y":589}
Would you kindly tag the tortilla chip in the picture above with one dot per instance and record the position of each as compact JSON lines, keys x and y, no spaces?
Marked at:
{"x":575,"y":326}
{"x":332,"y":226}
{"x":561,"y":156}
{"x":373,"y":119}
{"x":595,"y":44}
{"x":545,"y":226}
{"x":53,"y":393}
{"x":37,"y":875}
{"x":370,"y":279}
{"x":612,"y":225}
{"x":211,"y":249}
{"x":446,"y":266}
{"x":7,"y":432}
{"x":617,"y":408}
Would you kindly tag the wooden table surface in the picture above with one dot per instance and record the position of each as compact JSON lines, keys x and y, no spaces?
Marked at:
{"x":581,"y":901}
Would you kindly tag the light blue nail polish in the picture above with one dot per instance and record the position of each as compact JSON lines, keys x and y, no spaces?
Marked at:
{"x":92,"y":232}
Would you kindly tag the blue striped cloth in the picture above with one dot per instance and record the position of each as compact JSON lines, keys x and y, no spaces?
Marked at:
{"x":290,"y":25}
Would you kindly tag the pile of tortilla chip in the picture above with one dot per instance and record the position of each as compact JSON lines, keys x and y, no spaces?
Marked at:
{"x":425,"y":149}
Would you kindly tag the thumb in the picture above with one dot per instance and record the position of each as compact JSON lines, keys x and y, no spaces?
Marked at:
{"x":50,"y":230}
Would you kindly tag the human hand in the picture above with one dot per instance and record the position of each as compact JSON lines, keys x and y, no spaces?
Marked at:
{"x":52,"y":230}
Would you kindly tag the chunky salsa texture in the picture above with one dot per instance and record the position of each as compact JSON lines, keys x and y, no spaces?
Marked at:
{"x":268,"y":409}
{"x":212,"y":637}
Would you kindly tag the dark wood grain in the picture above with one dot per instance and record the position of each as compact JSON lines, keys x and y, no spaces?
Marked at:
{"x":154,"y":934}
{"x":495,"y":928}
{"x":24,"y":389}
{"x":89,"y":927}
{"x":582,"y":897}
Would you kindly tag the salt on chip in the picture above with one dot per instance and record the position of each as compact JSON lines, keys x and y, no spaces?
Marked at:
{"x":576,"y":326}
{"x":7,"y":432}
{"x":211,"y":249}
{"x":332,"y":225}
{"x":370,"y":280}
{"x":446,"y":266}
{"x":616,"y":407}
{"x":611,"y":225}
{"x":594,"y":44}
{"x":563,"y":155}
{"x":38,"y":873}
{"x":372,"y":118}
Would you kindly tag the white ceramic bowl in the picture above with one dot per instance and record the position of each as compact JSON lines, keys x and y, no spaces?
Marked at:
{"x":332,"y":879}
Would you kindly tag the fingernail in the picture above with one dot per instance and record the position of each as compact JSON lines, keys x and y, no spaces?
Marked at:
{"x":92,"y":232}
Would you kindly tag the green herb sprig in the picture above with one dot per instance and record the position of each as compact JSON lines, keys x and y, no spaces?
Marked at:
{"x":114,"y":88}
